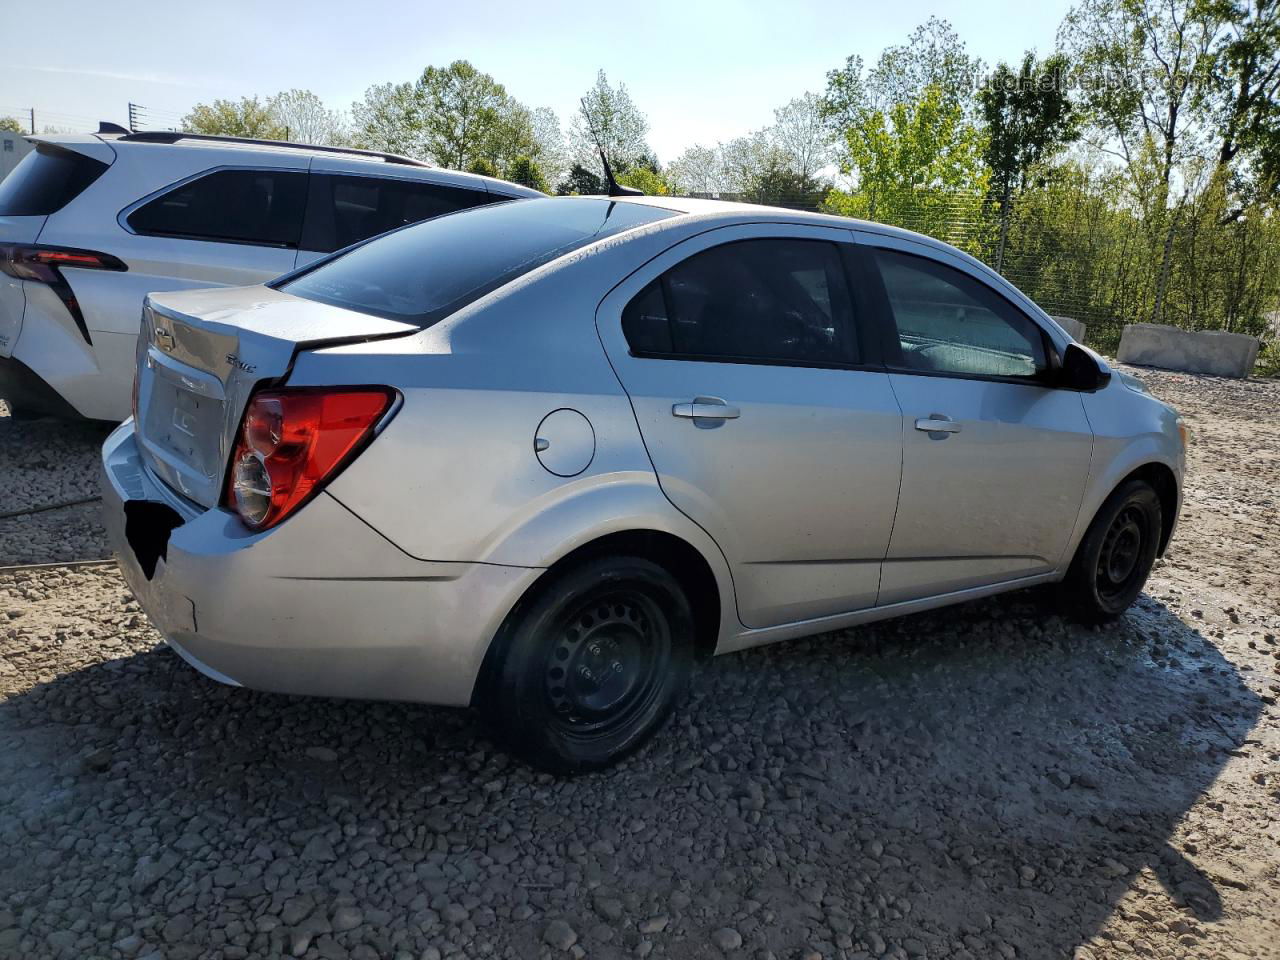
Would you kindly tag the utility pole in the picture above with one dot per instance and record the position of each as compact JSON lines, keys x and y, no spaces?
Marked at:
{"x":135,"y":112}
{"x":33,"y":121}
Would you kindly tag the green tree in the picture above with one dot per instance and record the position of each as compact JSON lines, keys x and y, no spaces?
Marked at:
{"x":618,"y":123}
{"x":646,"y":179}
{"x":550,"y":154}
{"x":524,"y":171}
{"x":389,"y":119}
{"x":800,"y":136}
{"x":782,"y":186}
{"x":1028,"y":117}
{"x":581,"y":182}
{"x":483,"y":167}
{"x":466,"y":114}
{"x":249,"y":118}
{"x":1245,"y":79}
{"x":10,"y":125}
{"x":918,"y":165}
{"x":933,"y":56}
{"x":307,"y":120}
{"x":696,"y":171}
{"x":1154,"y":58}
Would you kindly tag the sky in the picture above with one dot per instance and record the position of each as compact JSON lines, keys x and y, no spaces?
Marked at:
{"x":703,"y":71}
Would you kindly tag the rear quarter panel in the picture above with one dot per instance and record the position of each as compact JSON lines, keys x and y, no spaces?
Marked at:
{"x":454,"y":476}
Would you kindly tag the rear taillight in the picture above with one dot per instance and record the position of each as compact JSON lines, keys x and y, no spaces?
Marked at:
{"x":42,"y":264}
{"x":292,"y":441}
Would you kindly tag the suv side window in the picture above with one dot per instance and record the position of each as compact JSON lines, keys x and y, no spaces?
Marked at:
{"x":768,"y":300}
{"x":948,"y":322}
{"x":261,"y":207}
{"x":347,"y":209}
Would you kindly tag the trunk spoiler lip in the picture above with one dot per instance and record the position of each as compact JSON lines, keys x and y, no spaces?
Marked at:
{"x":236,"y":316}
{"x":229,"y":327}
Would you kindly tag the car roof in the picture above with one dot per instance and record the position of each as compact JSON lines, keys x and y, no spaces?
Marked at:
{"x":239,"y":149}
{"x":734,"y":211}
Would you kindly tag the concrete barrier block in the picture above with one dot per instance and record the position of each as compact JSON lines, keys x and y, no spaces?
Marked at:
{"x":1202,"y":351}
{"x":1073,"y":327}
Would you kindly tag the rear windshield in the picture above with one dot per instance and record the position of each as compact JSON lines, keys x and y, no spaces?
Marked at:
{"x":46,"y":180}
{"x":430,"y":270}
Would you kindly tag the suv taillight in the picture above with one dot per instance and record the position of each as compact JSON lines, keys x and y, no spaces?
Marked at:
{"x":293,"y":441}
{"x":42,"y":264}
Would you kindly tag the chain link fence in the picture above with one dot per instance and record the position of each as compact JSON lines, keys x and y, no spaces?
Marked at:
{"x":1086,"y":257}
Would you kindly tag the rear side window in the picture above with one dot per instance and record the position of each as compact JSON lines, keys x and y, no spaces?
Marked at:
{"x":346,"y":210}
{"x":948,"y":322}
{"x":46,"y":180}
{"x":427,"y":271}
{"x":261,"y":207}
{"x":767,"y":300}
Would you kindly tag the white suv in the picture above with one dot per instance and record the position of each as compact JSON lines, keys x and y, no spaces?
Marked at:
{"x":90,"y":224}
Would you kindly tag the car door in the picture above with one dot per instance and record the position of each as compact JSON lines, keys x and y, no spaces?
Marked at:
{"x":764,"y":414}
{"x":994,"y":458}
{"x":347,"y":204}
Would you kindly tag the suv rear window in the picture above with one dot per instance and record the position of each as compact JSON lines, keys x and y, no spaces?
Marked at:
{"x":46,"y":180}
{"x":262,"y":207}
{"x":425,"y":272}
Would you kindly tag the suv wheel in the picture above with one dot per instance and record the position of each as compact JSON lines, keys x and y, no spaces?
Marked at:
{"x":1115,"y":557}
{"x":585,"y":671}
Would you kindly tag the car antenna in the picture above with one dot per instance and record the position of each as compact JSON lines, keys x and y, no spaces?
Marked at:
{"x":615,"y":188}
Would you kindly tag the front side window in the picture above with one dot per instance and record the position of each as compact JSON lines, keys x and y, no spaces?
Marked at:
{"x":781,"y":300}
{"x":948,"y":322}
{"x":232,"y":206}
{"x":347,"y":209}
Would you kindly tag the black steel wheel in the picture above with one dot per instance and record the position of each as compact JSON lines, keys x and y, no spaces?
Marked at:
{"x":1115,"y":555}
{"x":590,"y":666}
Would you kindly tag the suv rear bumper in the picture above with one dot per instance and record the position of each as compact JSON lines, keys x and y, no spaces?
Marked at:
{"x":321,"y":605}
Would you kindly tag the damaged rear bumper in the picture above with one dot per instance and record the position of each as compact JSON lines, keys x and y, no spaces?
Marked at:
{"x":321,"y":604}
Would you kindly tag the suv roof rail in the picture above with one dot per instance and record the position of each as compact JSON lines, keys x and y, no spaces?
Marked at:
{"x":173,"y":136}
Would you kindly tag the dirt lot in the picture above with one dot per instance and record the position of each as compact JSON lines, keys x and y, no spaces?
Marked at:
{"x":983,"y":782}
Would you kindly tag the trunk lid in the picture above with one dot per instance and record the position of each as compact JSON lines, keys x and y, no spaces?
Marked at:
{"x":13,"y":296}
{"x":201,"y":353}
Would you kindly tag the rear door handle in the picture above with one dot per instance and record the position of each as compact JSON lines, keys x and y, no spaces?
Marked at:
{"x":937,"y":423}
{"x":705,"y":408}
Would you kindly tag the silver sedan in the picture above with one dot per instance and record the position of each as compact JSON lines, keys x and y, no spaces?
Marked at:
{"x":540,"y":458}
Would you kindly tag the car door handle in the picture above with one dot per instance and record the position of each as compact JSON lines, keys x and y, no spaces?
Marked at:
{"x":706,"y":408}
{"x":937,"y":423}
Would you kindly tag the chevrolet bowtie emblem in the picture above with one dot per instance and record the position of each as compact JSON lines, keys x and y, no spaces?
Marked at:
{"x":164,"y":338}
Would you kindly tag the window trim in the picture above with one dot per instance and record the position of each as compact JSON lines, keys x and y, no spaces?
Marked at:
{"x":889,"y":335}
{"x":853,"y":328}
{"x":122,"y":218}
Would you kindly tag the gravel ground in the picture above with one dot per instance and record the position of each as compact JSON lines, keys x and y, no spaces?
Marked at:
{"x":984,"y":782}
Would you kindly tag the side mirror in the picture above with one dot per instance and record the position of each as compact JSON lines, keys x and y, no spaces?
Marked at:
{"x":1083,"y":370}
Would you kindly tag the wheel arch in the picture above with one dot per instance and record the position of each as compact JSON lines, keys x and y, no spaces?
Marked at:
{"x":1165,"y":483}
{"x":678,"y":556}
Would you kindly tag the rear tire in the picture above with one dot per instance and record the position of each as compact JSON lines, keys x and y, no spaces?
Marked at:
{"x":1115,"y":556}
{"x":589,"y":667}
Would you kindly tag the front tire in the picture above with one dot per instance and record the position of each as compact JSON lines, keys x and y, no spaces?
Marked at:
{"x":1115,"y":556}
{"x":586,"y":670}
